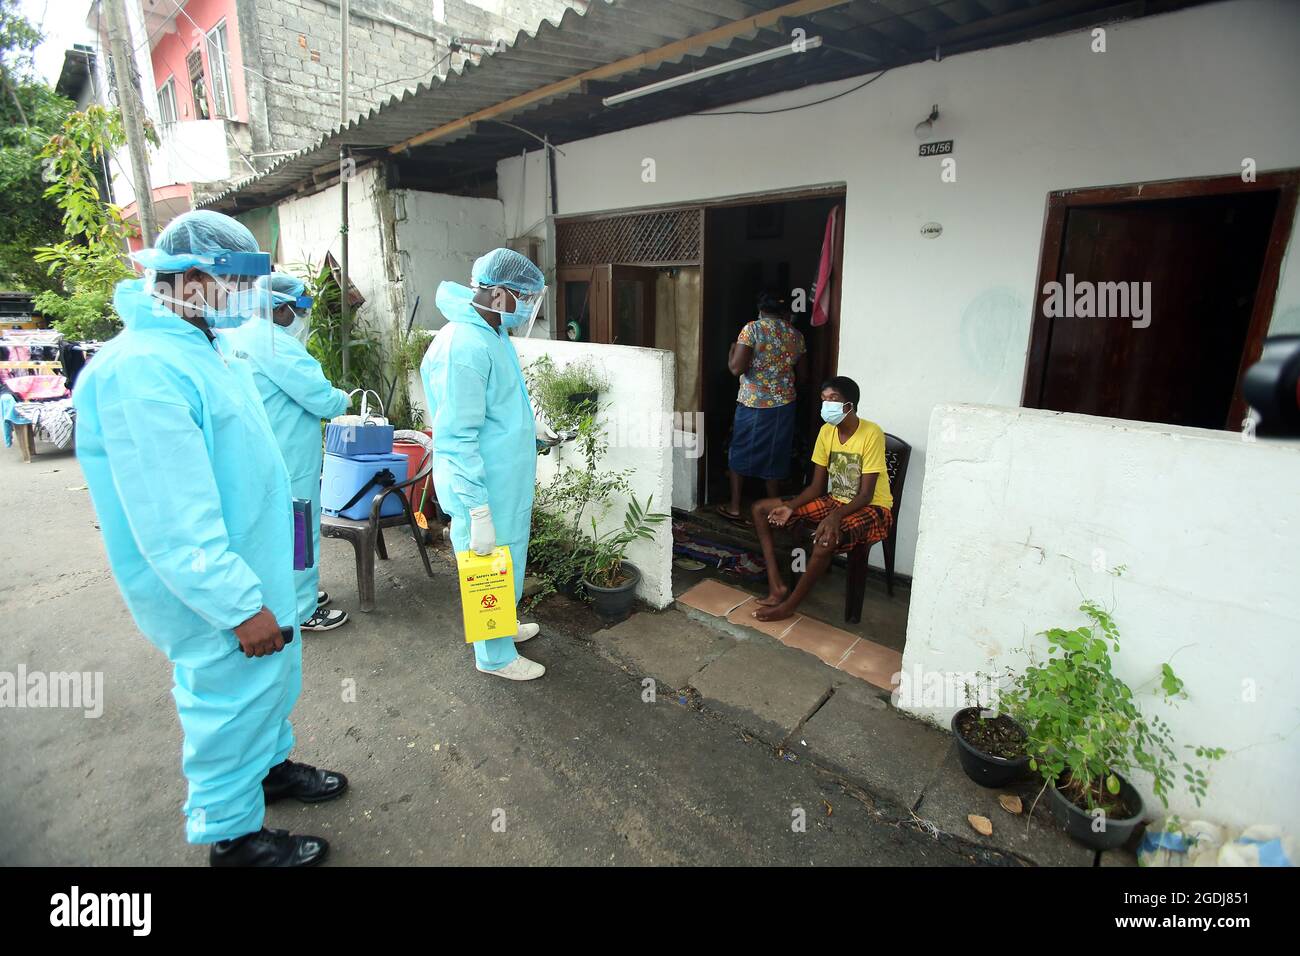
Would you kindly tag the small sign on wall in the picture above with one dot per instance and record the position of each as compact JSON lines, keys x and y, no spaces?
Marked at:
{"x":941,"y":148}
{"x":931,"y":230}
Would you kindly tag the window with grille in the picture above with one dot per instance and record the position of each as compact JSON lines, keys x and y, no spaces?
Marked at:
{"x":198,"y":84}
{"x":167,"y":102}
{"x":219,"y":65}
{"x":670,"y":236}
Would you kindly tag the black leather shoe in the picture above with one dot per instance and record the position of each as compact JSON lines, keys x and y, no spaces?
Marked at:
{"x":303,"y":782}
{"x":269,"y":848}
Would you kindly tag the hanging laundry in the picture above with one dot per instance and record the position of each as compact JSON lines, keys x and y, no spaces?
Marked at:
{"x":822,"y":297}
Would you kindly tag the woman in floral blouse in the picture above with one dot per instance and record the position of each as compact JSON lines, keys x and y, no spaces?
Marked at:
{"x":770,"y":358}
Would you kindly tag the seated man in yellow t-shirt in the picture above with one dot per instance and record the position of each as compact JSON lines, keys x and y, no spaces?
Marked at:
{"x":849,"y":497}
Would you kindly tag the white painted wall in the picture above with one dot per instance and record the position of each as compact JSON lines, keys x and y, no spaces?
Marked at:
{"x":438,"y":238}
{"x":194,"y":151}
{"x":1021,"y":509}
{"x":309,"y":228}
{"x":932,"y":321}
{"x":641,"y":385}
{"x":402,"y":243}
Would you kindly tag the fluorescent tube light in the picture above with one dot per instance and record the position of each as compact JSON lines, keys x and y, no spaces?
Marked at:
{"x":717,"y":69}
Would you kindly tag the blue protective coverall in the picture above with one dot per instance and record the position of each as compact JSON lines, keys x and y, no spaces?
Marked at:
{"x":296,"y":395}
{"x":193,"y":501}
{"x":484,"y":439}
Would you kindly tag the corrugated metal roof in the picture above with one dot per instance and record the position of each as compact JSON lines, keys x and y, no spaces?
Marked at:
{"x":861,"y":36}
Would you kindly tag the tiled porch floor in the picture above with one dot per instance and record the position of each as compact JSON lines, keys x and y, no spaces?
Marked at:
{"x":884,"y":618}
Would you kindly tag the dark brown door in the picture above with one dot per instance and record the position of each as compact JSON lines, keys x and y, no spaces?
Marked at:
{"x":581,"y":297}
{"x":1183,"y":274}
{"x":612,"y":305}
{"x":632,"y":306}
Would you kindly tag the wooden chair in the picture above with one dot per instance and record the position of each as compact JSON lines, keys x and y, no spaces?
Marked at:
{"x":897,"y":455}
{"x":367,"y":536}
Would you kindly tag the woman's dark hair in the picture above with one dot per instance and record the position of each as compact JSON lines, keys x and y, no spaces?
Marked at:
{"x":772,"y":302}
{"x":845,"y":386}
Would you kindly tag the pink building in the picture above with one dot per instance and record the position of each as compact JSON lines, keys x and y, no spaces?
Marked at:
{"x":233,"y":86}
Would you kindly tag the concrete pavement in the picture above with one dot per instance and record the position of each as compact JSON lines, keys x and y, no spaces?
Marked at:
{"x":448,"y":766}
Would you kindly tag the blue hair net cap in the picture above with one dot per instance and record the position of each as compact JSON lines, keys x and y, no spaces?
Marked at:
{"x":508,"y":268}
{"x":193,"y":240}
{"x":285,"y":289}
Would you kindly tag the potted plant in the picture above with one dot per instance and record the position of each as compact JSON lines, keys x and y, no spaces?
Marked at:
{"x":565,"y":395}
{"x":609,"y":578}
{"x":990,"y":745}
{"x":559,"y":548}
{"x":1085,"y":733}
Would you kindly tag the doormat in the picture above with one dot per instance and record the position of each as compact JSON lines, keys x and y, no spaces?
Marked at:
{"x":724,"y":557}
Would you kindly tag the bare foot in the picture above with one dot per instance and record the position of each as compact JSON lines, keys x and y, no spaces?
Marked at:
{"x":774,"y":597}
{"x":778,"y":613}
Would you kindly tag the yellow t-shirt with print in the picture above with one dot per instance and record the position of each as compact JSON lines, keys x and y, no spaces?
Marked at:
{"x":845,"y":464}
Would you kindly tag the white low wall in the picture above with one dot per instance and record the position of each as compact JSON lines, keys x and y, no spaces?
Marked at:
{"x":1023,"y":510}
{"x":640,"y":395}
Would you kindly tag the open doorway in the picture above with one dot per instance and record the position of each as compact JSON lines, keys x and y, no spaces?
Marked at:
{"x":773,"y":245}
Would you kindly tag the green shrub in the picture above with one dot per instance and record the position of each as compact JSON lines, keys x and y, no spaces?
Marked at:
{"x":1083,"y":725}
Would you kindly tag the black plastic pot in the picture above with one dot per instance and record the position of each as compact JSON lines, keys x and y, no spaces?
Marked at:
{"x":986,"y":769}
{"x":614,"y":604}
{"x":579,"y":401}
{"x":1079,"y":822}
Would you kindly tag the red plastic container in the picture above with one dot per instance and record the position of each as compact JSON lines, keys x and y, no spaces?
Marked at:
{"x":414,"y":455}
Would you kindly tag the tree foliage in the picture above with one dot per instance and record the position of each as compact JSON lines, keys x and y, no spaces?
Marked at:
{"x":90,"y":259}
{"x":30,"y":112}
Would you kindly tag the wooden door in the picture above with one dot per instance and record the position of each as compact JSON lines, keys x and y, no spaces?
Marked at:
{"x":608,"y":304}
{"x":631,"y":305}
{"x":581,"y":299}
{"x":1185,"y":274}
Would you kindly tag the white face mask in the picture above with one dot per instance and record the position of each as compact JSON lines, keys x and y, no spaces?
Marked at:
{"x":299,"y":329}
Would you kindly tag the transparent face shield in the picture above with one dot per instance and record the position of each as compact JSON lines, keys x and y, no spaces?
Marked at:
{"x":227,"y":294}
{"x":247,"y":300}
{"x":517,"y":309}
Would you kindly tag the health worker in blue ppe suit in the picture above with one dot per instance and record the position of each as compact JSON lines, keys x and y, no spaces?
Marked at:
{"x":296,"y":395}
{"x":194,"y":503}
{"x":484,"y":433}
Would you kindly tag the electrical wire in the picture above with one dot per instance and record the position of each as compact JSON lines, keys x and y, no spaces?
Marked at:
{"x":405,"y":79}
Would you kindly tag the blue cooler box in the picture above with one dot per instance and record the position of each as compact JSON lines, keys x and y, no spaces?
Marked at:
{"x":353,"y":440}
{"x":343,"y":477}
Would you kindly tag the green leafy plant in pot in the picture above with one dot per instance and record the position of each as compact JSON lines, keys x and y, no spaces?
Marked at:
{"x":565,"y":395}
{"x":582,"y":486}
{"x":610,"y":579}
{"x":1085,"y":733}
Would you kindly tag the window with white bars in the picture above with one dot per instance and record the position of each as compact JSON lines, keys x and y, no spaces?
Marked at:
{"x":219,"y":68}
{"x":167,"y":102}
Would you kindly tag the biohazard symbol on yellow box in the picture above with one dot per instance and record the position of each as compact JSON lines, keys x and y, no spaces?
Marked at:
{"x":487,"y":594}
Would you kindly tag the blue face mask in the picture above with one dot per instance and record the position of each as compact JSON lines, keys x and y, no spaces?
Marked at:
{"x":833,"y":412}
{"x":240,"y":306}
{"x":525,"y":308}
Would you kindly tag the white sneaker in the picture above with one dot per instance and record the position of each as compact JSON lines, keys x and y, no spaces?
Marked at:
{"x":325,"y":619}
{"x":521,"y":668}
{"x":527,"y":632}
